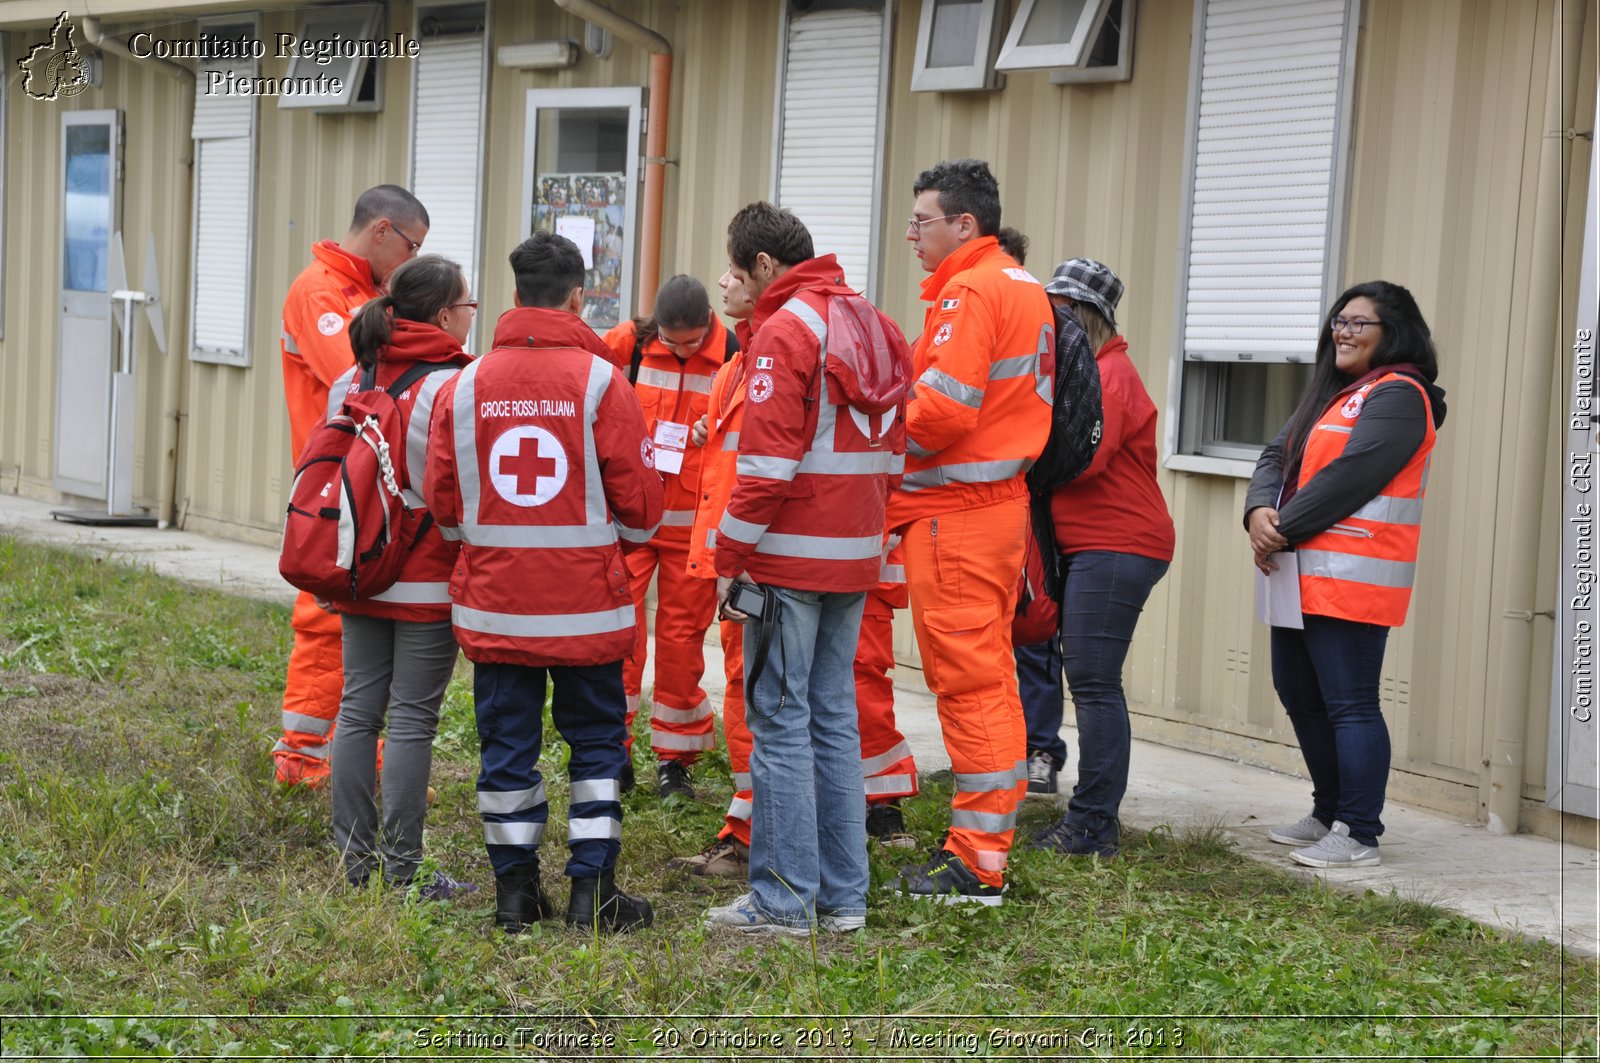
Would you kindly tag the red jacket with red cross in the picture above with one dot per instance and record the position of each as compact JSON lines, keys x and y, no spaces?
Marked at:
{"x":813,"y":475}
{"x":538,"y":462}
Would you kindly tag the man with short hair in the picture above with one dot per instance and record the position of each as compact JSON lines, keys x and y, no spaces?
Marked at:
{"x":538,"y":462}
{"x":818,"y":453}
{"x":388,"y":228}
{"x":984,"y":368}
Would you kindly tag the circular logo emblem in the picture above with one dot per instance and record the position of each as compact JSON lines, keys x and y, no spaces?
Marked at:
{"x":1352,"y":406}
{"x":761,"y":387}
{"x":942,"y":336}
{"x":330,"y":323}
{"x":647,"y":452}
{"x":527,"y":466}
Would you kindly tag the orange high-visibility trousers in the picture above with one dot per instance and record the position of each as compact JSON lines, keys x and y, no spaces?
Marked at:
{"x":311,"y":693}
{"x":737,"y":821}
{"x":681,"y":726}
{"x":962,"y":569}
{"x":886,"y":761}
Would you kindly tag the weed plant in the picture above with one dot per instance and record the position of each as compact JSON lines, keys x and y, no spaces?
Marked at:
{"x":160,"y":896}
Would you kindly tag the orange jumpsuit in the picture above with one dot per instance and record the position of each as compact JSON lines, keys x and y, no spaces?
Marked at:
{"x":984,"y":367}
{"x":316,"y":351}
{"x":673,"y":392}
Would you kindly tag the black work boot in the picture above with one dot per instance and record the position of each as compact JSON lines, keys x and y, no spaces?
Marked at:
{"x":597,"y":901}
{"x":519,"y":900}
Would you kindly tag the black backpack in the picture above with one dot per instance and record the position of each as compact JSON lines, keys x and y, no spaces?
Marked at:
{"x":1076,"y":416}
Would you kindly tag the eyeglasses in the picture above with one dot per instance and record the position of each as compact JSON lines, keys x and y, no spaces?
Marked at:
{"x":914,"y":225}
{"x":471,"y":302}
{"x":682,"y":345}
{"x":1354,"y":324}
{"x":414,"y":245}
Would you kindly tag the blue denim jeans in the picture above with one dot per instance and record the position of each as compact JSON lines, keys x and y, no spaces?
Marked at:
{"x":808,"y":830}
{"x":1104,"y":593}
{"x":1327,"y":678}
{"x":1039,"y":685}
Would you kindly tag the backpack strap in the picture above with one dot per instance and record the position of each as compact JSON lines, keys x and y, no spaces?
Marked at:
{"x":730,"y":347}
{"x":638,"y":358}
{"x":409,"y":377}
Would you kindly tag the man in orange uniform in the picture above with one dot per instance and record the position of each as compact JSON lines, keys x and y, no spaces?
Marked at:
{"x":984,"y":368}
{"x":388,"y":229}
{"x":670,"y":357}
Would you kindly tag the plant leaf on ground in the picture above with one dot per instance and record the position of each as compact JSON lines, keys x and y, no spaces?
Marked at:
{"x":154,"y":879}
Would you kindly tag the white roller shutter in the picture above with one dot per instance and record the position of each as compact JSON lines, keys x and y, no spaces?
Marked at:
{"x":447,"y":146}
{"x":832,"y":109}
{"x":224,"y":133}
{"x":1265,"y":152}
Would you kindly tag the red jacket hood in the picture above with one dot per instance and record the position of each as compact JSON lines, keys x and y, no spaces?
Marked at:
{"x":961,"y":259}
{"x":418,"y":341}
{"x":813,"y":273}
{"x":535,"y":327}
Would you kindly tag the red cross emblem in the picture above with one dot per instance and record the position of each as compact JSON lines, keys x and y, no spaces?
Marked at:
{"x":527,"y":466}
{"x":761,"y":387}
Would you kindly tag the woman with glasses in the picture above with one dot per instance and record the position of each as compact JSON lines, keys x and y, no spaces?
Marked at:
{"x":1342,"y":486}
{"x":398,"y":647}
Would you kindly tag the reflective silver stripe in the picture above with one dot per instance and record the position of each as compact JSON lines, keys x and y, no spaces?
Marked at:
{"x":698,"y":383}
{"x":992,"y":822}
{"x":1427,"y":463}
{"x":633,"y":535}
{"x":916,"y":449}
{"x":595,"y":790}
{"x":415,"y":594}
{"x":767,"y":467}
{"x":808,"y":317}
{"x":412,"y":499}
{"x":711,"y":538}
{"x":1012,"y":368}
{"x":1330,"y":564}
{"x":662,"y":714}
{"x":542,"y":537}
{"x":742,"y":781}
{"x":730,"y":442}
{"x":971,"y":472}
{"x":989,"y":781}
{"x":1340,"y":428}
{"x":288,"y":341}
{"x":740,"y":530}
{"x":338,"y":390}
{"x":594,"y":829}
{"x":740,"y":808}
{"x":595,"y":511}
{"x":677,"y":518}
{"x":880,"y":785}
{"x":313,"y":752}
{"x":1389,"y":509}
{"x":951,"y":388}
{"x":452,"y":534}
{"x":426,"y":389}
{"x":892,"y":574}
{"x":546,"y":626}
{"x":513,"y":833}
{"x":886,"y":760}
{"x":682,"y":743}
{"x":821,"y":547}
{"x":306,"y":725}
{"x":504,"y":802}
{"x":848,"y":463}
{"x":633,"y":703}
{"x":464,"y":411}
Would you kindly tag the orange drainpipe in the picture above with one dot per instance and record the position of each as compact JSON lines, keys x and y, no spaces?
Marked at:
{"x":655,"y":136}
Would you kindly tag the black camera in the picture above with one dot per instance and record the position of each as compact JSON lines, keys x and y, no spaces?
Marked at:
{"x":749,"y":599}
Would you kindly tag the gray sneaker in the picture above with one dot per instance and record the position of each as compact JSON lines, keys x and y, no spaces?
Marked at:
{"x":1337,"y":849}
{"x":743,"y":915}
{"x":835,"y":923}
{"x":1308,"y":831}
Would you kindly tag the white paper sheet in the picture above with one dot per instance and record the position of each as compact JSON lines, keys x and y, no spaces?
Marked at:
{"x":580,"y":230}
{"x":1278,"y":593}
{"x":672,"y":439}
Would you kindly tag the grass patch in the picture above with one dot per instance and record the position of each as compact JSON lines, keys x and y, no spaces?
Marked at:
{"x":152,"y":875}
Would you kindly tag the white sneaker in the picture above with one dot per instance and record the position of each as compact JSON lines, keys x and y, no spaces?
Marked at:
{"x":1337,"y":849}
{"x":743,"y":915}
{"x":842,"y":924}
{"x":1307,"y":831}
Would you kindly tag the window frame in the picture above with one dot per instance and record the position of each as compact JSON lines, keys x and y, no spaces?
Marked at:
{"x":322,"y":20}
{"x":1015,"y":55}
{"x":1186,"y":447}
{"x":243,"y":358}
{"x":977,"y":76}
{"x":1122,"y":69}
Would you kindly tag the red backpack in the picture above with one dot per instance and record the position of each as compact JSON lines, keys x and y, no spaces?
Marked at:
{"x":349,"y":528}
{"x":1038,"y":615}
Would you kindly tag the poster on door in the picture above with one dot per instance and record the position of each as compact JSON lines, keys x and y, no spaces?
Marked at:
{"x":588,"y":207}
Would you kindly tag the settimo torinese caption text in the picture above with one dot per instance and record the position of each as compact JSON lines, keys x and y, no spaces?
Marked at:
{"x":322,"y":51}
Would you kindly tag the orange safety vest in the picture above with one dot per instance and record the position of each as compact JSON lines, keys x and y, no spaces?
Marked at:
{"x":1362,"y":568}
{"x":718,"y":467}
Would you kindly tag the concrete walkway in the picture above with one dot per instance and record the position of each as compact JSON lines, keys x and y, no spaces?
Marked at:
{"x":1524,"y":884}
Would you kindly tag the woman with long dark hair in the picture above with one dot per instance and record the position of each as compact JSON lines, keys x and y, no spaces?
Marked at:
{"x":399,"y":650}
{"x":1342,"y":485}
